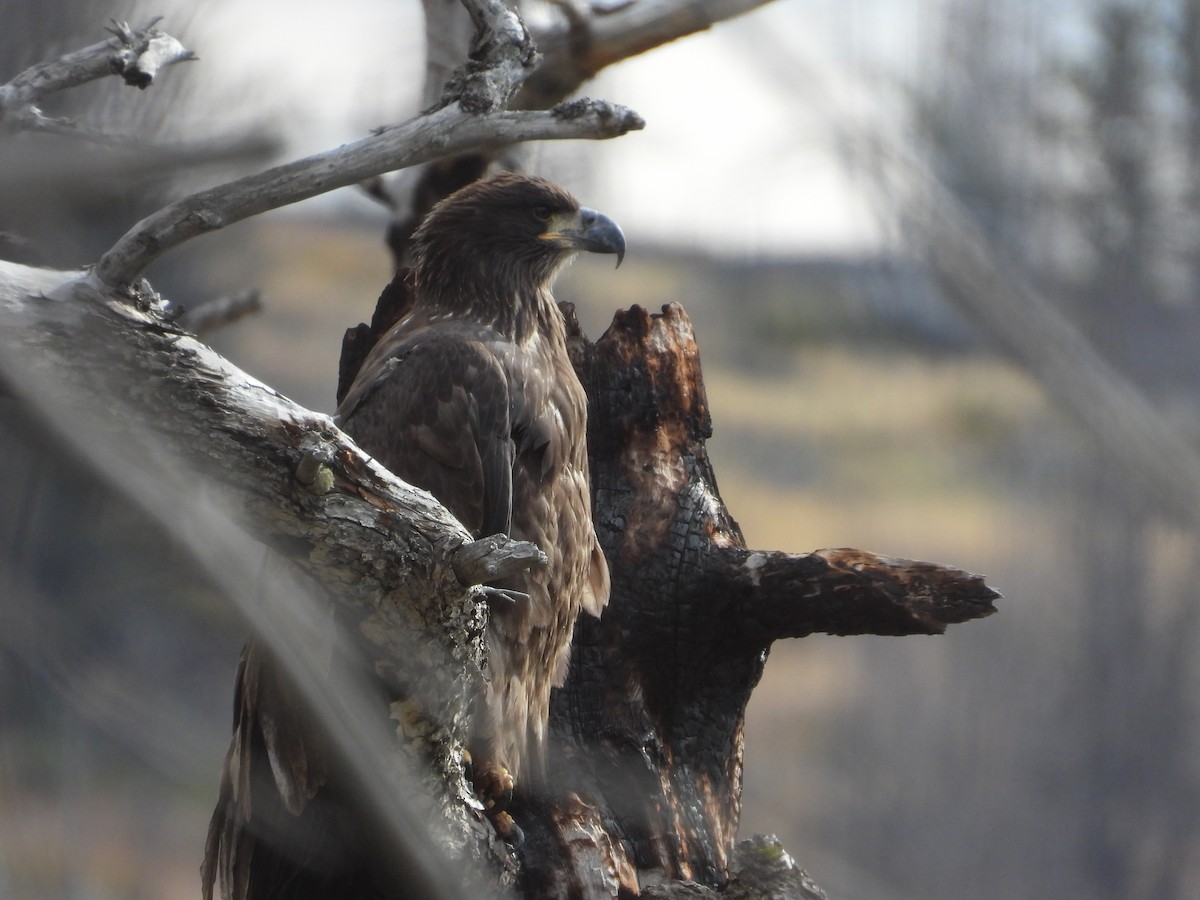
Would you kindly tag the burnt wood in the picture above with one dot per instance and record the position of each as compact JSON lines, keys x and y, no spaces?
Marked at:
{"x":647,"y":749}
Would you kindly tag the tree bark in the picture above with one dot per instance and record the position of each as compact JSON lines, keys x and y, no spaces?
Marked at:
{"x":649,"y":726}
{"x":646,"y":762}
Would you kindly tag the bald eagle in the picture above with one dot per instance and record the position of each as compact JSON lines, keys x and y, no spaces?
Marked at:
{"x":470,"y":395}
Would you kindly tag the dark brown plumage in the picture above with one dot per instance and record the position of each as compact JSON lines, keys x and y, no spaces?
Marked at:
{"x":472,"y":396}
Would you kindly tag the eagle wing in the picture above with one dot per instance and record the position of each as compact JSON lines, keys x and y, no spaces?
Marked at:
{"x":433,"y":406}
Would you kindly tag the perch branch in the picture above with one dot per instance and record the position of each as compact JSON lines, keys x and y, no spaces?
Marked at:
{"x":844,"y":592}
{"x":218,"y":456}
{"x":137,"y":56}
{"x":446,"y":131}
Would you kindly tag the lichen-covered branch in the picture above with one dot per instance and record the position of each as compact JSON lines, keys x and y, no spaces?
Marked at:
{"x":502,"y":56}
{"x":369,"y":567}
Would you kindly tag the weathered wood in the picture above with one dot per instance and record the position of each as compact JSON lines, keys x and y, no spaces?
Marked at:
{"x":137,"y":56}
{"x":588,"y":40}
{"x":649,"y":725}
{"x":359,"y":599}
{"x":426,"y":137}
{"x":574,"y":48}
{"x":646,"y":762}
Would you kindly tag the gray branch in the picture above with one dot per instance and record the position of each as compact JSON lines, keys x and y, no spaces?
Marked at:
{"x":591,"y":39}
{"x":221,"y":311}
{"x":502,"y":56}
{"x":137,"y":56}
{"x":444,"y":132}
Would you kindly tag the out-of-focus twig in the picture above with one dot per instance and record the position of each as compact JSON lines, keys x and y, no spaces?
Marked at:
{"x":221,"y":311}
{"x":137,"y":56}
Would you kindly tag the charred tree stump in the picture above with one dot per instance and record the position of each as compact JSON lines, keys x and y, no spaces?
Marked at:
{"x":648,"y":731}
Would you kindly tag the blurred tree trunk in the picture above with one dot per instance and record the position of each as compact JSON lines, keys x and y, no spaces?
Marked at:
{"x":1116,"y":248}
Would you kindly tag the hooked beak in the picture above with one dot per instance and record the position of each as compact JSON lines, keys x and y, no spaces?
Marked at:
{"x":588,"y":230}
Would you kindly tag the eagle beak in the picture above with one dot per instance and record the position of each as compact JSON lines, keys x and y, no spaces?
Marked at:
{"x":591,"y":231}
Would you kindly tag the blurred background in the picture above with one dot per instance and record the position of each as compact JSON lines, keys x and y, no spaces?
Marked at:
{"x":1049,"y":751}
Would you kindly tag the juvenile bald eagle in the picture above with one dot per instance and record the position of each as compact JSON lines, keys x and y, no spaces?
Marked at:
{"x":472,"y":396}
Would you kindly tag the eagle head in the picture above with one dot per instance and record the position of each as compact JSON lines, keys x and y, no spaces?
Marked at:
{"x":506,"y":237}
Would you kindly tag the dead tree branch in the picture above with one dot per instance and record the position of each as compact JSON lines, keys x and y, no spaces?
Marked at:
{"x":221,"y":311}
{"x":573,"y":50}
{"x":227,"y":464}
{"x":447,"y":131}
{"x":502,"y":56}
{"x":472,"y":118}
{"x":844,"y":592}
{"x":137,"y":56}
{"x":589,"y":40}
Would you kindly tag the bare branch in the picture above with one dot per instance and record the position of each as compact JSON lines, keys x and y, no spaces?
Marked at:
{"x":138,"y":65}
{"x":590,"y":37}
{"x":217,"y":456}
{"x":221,"y":311}
{"x":591,"y":40}
{"x":137,"y":56}
{"x":447,"y":131}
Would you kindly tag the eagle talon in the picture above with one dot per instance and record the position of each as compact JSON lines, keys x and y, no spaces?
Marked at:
{"x":494,"y":786}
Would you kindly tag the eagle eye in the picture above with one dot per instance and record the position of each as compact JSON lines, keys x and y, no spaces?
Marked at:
{"x":542,"y":212}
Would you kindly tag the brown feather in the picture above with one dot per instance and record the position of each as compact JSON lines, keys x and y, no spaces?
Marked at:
{"x":472,"y":396}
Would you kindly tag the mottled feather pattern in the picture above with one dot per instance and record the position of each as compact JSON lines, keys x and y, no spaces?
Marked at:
{"x":471,"y":396}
